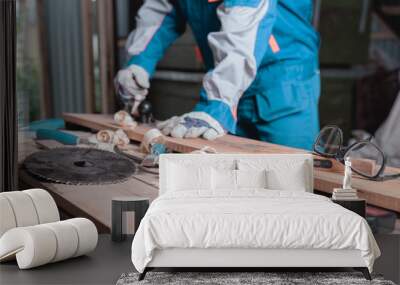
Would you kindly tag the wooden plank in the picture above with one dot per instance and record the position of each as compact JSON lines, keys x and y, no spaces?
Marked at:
{"x":391,"y":10}
{"x":384,"y":194}
{"x":49,"y":144}
{"x":105,"y":23}
{"x":225,"y":144}
{"x":62,"y":203}
{"x":91,"y":201}
{"x":88,"y":66}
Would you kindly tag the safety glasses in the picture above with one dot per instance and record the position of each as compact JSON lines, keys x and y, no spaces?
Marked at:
{"x":329,"y":143}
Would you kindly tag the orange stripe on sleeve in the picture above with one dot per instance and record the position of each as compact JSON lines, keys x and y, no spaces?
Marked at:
{"x":273,"y":44}
{"x":234,"y":112}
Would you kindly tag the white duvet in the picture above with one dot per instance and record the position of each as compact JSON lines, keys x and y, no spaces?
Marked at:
{"x":250,"y":219}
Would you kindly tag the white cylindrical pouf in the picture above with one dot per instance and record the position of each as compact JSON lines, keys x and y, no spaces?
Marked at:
{"x":34,"y":246}
{"x":67,"y":239}
{"x":23,"y":208}
{"x":7,"y":218}
{"x":45,"y":206}
{"x":40,"y":244}
{"x":87,"y":234}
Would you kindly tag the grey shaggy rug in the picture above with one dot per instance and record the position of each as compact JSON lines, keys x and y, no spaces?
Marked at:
{"x":268,"y":278}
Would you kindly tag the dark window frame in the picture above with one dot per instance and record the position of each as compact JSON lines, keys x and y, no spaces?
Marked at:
{"x":8,"y":100}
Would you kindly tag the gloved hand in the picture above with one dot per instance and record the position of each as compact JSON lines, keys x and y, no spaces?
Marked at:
{"x":192,"y":125}
{"x":132,"y":84}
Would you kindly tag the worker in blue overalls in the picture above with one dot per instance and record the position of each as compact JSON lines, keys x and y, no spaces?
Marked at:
{"x":261,"y":57}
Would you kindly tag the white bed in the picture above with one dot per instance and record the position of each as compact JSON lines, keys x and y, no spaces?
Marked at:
{"x":240,"y":211}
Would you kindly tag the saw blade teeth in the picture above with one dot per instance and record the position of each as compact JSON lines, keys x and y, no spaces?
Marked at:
{"x":80,"y":166}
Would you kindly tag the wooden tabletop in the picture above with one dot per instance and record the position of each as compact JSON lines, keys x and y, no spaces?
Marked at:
{"x":383,"y":194}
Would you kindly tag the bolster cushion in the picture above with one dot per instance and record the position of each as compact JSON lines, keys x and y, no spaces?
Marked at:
{"x":26,"y":208}
{"x":40,"y":244}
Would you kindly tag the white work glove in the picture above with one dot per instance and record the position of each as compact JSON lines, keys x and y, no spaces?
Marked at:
{"x":192,"y":125}
{"x":132,"y":84}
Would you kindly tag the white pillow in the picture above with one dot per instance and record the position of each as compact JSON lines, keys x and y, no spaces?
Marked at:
{"x":227,"y":179}
{"x":188,"y":177}
{"x":224,"y":179}
{"x":251,"y":179}
{"x":293,"y":180}
{"x":281,"y":174}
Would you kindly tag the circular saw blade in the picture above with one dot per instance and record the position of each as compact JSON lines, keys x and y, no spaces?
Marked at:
{"x":80,"y":166}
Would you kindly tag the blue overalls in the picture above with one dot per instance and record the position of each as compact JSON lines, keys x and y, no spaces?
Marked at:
{"x":278,"y":102}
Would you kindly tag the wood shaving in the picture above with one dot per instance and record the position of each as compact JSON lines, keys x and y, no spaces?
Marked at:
{"x":123,"y":119}
{"x":120,"y":138}
{"x":105,"y":136}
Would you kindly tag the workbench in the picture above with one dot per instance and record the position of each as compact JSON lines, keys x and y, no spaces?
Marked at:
{"x":94,"y":201}
{"x":382,"y":194}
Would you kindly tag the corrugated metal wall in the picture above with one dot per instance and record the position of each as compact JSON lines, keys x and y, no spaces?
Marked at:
{"x":64,"y":39}
{"x":125,"y":14}
{"x":386,"y":50}
{"x":124,"y":19}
